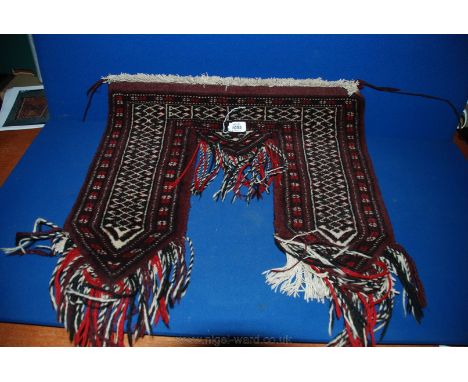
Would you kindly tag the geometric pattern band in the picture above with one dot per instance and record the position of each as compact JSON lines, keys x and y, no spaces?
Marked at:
{"x":333,"y":214}
{"x":128,"y":205}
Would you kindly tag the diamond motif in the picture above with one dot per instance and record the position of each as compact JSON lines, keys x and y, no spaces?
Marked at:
{"x":124,"y":215}
{"x":282,"y":114}
{"x":332,"y":207}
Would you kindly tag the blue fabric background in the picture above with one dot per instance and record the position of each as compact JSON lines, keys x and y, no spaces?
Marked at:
{"x":422,"y":175}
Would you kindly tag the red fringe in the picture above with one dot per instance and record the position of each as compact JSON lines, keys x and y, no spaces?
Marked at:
{"x":96,"y":313}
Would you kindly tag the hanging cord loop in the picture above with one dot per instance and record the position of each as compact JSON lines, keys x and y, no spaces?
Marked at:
{"x":363,"y":84}
{"x":90,"y":94}
{"x":228,"y":114}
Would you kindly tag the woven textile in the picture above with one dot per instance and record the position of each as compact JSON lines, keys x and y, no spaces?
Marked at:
{"x":30,"y":108}
{"x":124,"y":257}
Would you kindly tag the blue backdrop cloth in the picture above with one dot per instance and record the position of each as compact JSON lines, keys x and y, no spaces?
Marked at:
{"x":422,"y":175}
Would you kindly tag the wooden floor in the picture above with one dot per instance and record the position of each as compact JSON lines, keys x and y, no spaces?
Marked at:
{"x":15,"y":335}
{"x":32,"y":335}
{"x":13,"y":144}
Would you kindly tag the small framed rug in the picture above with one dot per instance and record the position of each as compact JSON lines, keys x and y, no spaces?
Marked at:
{"x":24,"y":108}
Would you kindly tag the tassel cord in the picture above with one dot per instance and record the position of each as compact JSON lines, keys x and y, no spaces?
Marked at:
{"x":90,"y":94}
{"x":363,"y":83}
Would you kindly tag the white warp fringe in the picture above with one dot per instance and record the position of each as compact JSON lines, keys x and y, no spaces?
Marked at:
{"x":296,"y":278}
{"x":351,"y":86}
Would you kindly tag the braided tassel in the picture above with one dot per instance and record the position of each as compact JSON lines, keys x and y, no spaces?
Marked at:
{"x":364,"y":300}
{"x":97,"y":312}
{"x":253,"y":171}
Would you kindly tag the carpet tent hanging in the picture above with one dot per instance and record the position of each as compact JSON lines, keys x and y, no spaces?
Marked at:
{"x":124,"y":258}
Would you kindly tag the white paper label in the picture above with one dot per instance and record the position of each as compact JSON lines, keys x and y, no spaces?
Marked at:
{"x":237,"y":127}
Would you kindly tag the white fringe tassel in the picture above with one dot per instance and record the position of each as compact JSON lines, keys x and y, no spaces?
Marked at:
{"x":364,"y":300}
{"x":296,"y":278}
{"x":351,"y":86}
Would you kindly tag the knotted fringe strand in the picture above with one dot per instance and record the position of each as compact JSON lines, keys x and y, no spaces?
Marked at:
{"x":351,"y":86}
{"x":364,"y":299}
{"x":98,"y":313}
{"x":253,"y":171}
